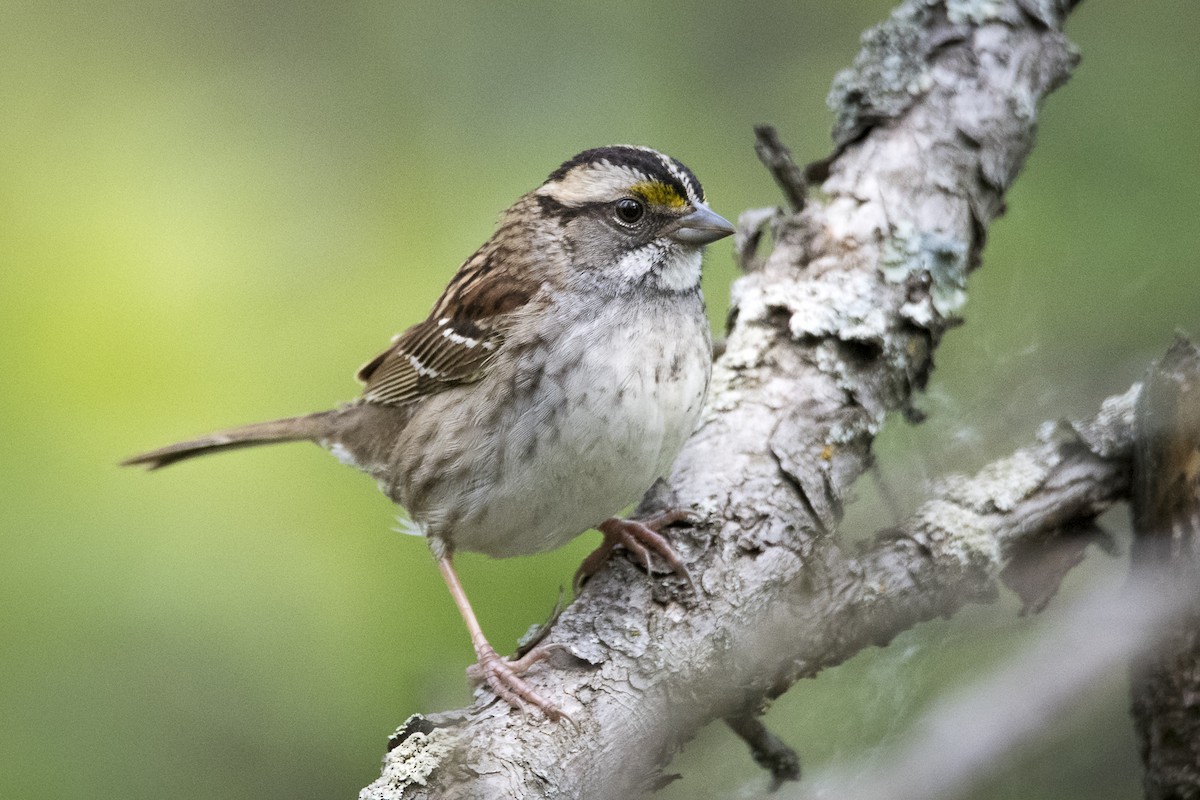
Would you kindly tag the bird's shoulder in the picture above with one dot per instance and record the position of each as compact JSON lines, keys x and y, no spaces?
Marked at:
{"x":463,"y":334}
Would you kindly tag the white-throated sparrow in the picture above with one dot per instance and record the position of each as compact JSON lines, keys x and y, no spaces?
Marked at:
{"x":554,"y":381}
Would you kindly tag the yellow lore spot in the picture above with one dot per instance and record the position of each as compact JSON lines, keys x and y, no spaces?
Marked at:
{"x":657,"y":193}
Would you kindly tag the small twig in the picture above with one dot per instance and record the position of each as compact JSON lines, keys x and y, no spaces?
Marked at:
{"x":777,"y":158}
{"x":768,"y":750}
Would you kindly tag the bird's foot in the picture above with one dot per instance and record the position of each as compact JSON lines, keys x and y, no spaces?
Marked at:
{"x":641,"y":538}
{"x":504,"y":677}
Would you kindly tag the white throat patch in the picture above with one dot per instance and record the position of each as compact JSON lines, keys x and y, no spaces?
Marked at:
{"x":677,"y":269}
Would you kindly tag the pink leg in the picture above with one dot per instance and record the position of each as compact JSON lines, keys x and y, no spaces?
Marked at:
{"x":502,"y":675}
{"x":640,"y":538}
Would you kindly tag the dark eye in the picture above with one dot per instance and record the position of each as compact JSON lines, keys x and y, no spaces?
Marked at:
{"x":629,"y":210}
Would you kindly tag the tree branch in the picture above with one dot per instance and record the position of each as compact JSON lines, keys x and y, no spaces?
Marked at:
{"x":963,"y":739}
{"x":935,"y":120}
{"x":1153,"y":620}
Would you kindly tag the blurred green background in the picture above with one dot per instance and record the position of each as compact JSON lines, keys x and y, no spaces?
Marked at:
{"x":212,"y":213}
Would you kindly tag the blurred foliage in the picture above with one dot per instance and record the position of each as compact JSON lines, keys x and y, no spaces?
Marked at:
{"x":213,"y":212}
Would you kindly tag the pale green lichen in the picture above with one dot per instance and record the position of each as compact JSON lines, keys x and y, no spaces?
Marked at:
{"x":889,"y":72}
{"x":409,"y":764}
{"x":1000,"y":486}
{"x":746,"y":345}
{"x":839,"y":303}
{"x":942,"y":257}
{"x":743,"y":352}
{"x":959,"y":533}
{"x":975,"y":12}
{"x":864,"y":426}
{"x":1111,"y":434}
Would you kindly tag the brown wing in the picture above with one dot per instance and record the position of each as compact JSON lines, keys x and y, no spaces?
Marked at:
{"x":428,"y":358}
{"x":458,"y":341}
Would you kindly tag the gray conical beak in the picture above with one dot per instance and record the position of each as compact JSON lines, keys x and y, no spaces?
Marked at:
{"x":701,"y":227}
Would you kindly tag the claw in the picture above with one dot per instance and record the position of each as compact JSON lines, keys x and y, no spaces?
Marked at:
{"x":501,"y":674}
{"x":640,"y":538}
{"x":503,"y":677}
{"x":592,"y":564}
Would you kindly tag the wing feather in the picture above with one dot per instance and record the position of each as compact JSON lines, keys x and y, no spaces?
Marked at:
{"x":428,"y":358}
{"x":458,"y":341}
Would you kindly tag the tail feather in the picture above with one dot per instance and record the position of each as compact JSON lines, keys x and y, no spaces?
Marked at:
{"x":294,"y":429}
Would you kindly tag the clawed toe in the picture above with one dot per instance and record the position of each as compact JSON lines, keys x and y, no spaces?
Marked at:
{"x":640,"y":538}
{"x":502,"y":675}
{"x":592,"y":564}
{"x":504,"y":678}
{"x":666,"y":518}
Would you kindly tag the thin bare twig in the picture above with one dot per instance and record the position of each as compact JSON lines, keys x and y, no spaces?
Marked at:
{"x":777,"y":158}
{"x":768,"y":750}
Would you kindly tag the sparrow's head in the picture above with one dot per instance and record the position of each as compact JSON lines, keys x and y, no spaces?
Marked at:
{"x":632,"y":218}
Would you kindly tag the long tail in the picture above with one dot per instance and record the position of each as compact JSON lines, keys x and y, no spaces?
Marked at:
{"x":295,"y":429}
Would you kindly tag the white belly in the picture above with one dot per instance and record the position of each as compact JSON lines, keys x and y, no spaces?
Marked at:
{"x":612,"y":408}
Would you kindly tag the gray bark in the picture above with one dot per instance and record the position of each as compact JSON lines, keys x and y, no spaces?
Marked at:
{"x":1166,"y":520}
{"x":832,"y":331}
{"x":971,"y":734}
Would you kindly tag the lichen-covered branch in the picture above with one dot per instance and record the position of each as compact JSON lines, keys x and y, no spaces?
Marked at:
{"x":833,"y":331}
{"x":1153,"y":619}
{"x":957,"y":745}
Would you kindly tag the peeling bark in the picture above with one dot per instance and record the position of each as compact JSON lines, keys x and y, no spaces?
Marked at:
{"x":835,"y":329}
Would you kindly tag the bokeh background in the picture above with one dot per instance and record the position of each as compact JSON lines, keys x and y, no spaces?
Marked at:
{"x":212,"y":213}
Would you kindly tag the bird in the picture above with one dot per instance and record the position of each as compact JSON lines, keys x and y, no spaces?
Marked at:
{"x":554,"y":381}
